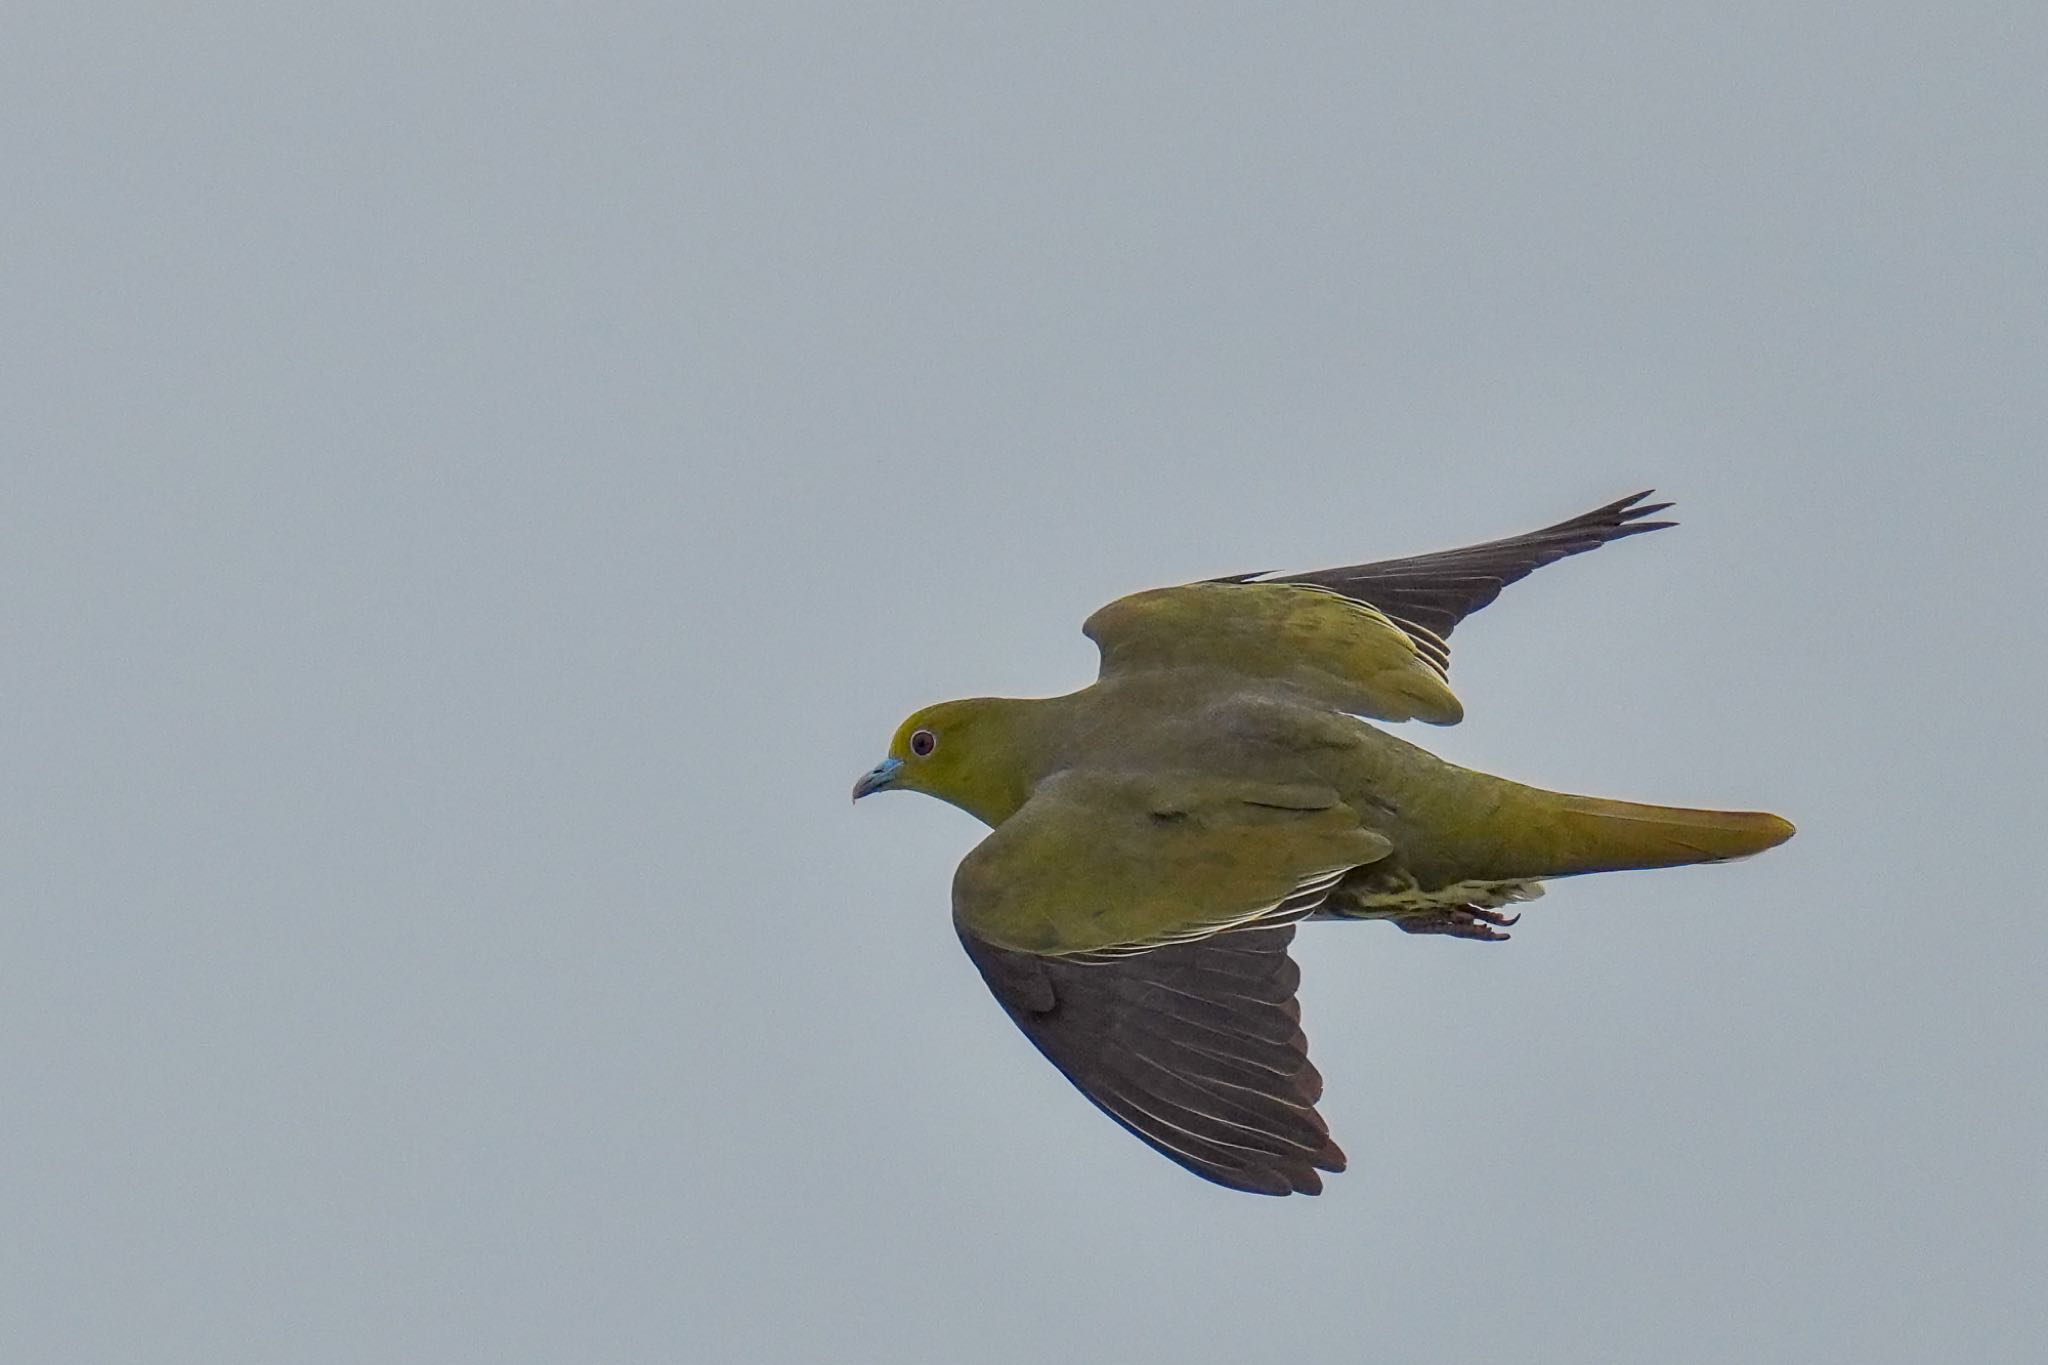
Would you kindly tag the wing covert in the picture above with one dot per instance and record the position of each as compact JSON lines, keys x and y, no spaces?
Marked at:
{"x":1102,"y":864}
{"x":1342,"y":652}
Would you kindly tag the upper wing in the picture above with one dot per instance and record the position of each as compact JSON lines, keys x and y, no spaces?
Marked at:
{"x":1367,"y":638}
{"x":1196,"y":1048}
{"x":1136,"y":929}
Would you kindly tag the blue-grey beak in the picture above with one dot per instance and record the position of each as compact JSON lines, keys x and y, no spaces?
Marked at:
{"x":878,"y":777}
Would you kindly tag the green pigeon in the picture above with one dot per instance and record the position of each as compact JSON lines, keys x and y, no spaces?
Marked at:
{"x":1158,"y":834}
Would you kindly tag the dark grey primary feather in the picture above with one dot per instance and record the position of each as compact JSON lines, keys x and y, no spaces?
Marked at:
{"x":1196,"y":1048}
{"x":1436,"y":591}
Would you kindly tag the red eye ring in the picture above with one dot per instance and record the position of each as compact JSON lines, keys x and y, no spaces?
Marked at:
{"x":923,"y":742}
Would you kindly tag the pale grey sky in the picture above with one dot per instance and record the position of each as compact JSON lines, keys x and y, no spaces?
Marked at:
{"x":480,"y":482}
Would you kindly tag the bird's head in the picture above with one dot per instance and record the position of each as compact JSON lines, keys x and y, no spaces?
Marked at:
{"x":963,"y":752}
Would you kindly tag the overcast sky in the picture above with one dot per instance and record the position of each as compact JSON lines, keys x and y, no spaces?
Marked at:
{"x":479,"y":482}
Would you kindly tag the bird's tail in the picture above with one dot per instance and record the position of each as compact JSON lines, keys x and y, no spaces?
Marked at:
{"x":1562,"y":835}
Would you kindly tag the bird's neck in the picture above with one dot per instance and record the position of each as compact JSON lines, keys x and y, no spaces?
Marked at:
{"x":1011,"y":747}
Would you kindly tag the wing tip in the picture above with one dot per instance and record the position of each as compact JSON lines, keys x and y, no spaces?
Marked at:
{"x":1622,"y":517}
{"x":1278,"y":1181}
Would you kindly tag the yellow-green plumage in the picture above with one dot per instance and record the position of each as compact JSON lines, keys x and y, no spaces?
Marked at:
{"x":1152,"y":858}
{"x":1158,"y":831}
{"x":1324,"y":647}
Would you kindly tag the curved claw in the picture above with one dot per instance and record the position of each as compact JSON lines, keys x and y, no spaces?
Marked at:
{"x":1461,"y":921}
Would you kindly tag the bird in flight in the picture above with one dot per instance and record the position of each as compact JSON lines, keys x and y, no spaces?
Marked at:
{"x":1158,"y":834}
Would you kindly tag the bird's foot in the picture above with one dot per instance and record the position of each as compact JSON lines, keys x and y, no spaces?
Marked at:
{"x":1459,"y":921}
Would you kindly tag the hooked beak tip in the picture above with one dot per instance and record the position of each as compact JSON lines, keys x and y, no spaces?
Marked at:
{"x":878,"y":777}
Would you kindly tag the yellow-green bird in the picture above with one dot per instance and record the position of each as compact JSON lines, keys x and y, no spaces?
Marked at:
{"x":1158,"y":833}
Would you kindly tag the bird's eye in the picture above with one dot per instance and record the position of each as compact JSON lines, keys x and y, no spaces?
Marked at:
{"x":923,"y":742}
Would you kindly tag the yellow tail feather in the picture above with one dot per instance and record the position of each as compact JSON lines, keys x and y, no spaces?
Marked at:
{"x":1591,"y":834}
